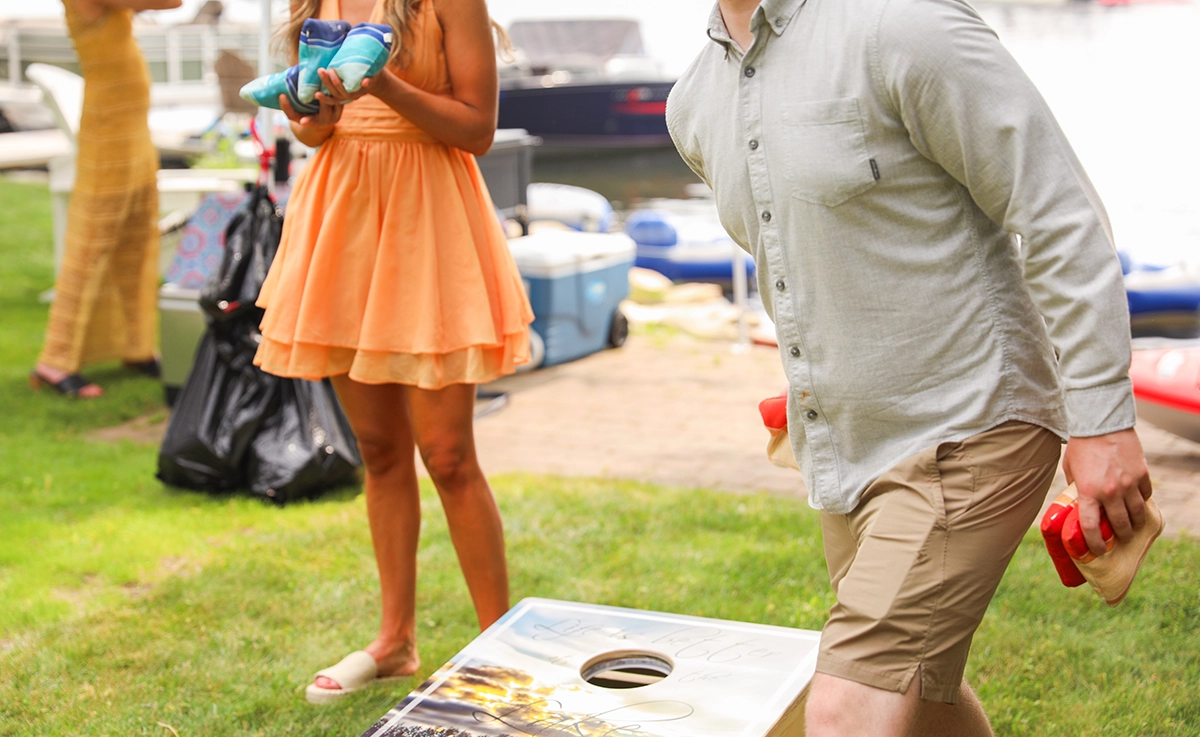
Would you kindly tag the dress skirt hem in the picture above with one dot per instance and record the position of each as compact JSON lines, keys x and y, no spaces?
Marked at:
{"x":430,"y":371}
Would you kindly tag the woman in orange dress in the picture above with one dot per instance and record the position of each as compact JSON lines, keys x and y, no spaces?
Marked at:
{"x":394,"y":279}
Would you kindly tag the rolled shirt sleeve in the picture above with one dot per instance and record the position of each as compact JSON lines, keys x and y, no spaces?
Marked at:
{"x":970,"y":108}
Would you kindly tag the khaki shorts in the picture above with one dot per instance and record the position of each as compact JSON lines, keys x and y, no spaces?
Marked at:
{"x":916,"y":563}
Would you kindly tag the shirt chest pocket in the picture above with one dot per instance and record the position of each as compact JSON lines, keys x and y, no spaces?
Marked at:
{"x":825,"y":151}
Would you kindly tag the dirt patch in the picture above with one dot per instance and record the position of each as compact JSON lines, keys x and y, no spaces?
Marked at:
{"x":145,"y":430}
{"x":136,"y":589}
{"x":79,"y":596}
{"x":179,"y":566}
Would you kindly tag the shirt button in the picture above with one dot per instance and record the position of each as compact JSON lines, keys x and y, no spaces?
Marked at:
{"x":781,"y":285}
{"x":778,"y":22}
{"x":753,"y":145}
{"x":766,"y":216}
{"x":749,"y":71}
{"x":811,"y":414}
{"x":795,"y":351}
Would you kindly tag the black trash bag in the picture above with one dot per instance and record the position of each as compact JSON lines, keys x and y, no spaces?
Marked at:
{"x":251,"y":239}
{"x":305,"y":447}
{"x":218,"y":414}
{"x":234,"y":425}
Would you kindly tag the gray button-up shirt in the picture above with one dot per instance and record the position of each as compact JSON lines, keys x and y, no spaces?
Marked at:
{"x":878,"y":158}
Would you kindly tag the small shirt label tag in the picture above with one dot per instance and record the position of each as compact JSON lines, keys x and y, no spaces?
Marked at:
{"x":875,"y":170}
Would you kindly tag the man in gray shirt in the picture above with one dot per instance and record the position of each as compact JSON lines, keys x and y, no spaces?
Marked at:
{"x":878,"y":159}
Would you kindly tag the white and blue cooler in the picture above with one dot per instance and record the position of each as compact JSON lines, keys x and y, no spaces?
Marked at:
{"x":575,"y":282}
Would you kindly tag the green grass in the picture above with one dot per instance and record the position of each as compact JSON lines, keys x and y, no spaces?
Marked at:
{"x":125,"y":606}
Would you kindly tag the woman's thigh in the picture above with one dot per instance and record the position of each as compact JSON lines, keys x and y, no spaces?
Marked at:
{"x":443,"y":427}
{"x":379,"y":416}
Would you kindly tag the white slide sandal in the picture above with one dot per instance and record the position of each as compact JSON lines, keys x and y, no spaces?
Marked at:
{"x":356,"y":671}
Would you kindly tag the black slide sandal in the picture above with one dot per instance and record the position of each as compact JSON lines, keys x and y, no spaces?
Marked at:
{"x":70,"y":386}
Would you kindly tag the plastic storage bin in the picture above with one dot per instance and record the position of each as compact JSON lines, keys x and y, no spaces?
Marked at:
{"x":181,"y":325}
{"x":507,"y":169}
{"x":575,"y":282}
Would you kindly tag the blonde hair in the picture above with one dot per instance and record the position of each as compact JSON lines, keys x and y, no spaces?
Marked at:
{"x":504,"y":44}
{"x":396,"y":13}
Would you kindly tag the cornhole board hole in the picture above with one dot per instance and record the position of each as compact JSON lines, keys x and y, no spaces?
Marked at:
{"x":558,"y":669}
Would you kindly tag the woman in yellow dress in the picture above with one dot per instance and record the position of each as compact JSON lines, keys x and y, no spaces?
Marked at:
{"x":104,"y":299}
{"x":394,"y":278}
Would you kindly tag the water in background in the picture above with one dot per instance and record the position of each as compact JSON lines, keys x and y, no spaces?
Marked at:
{"x":1122,"y":82}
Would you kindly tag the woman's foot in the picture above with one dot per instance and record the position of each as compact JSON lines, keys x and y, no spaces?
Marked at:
{"x":71,"y":385}
{"x":391,"y":661}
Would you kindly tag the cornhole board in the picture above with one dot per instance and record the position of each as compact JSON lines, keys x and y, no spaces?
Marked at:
{"x":557,"y":669}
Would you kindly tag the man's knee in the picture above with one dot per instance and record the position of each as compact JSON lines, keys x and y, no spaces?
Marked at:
{"x":838,"y":707}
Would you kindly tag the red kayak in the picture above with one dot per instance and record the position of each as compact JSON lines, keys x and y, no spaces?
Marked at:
{"x":1166,"y":385}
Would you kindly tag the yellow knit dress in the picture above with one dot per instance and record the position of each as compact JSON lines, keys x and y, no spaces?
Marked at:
{"x":104,"y":305}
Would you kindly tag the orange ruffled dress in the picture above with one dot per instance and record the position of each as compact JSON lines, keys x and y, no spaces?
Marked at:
{"x":393,"y":267}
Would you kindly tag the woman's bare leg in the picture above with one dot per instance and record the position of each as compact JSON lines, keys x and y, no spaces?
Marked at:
{"x":378,"y":413}
{"x":443,"y":426}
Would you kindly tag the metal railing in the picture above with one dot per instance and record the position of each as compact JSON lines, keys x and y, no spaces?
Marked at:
{"x":184,"y":53}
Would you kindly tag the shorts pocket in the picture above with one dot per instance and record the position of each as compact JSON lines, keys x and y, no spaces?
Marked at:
{"x":957,"y":474}
{"x":894,"y":547}
{"x":825,"y":149}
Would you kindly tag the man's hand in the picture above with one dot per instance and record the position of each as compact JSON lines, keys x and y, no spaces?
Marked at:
{"x":1109,"y":471}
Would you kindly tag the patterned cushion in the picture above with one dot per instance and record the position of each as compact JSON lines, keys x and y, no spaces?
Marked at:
{"x":203,"y":241}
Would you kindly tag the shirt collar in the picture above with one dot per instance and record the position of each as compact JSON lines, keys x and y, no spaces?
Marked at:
{"x":717,"y":31}
{"x":776,"y":14}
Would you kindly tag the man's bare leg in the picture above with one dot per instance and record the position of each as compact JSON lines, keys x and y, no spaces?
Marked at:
{"x":838,"y":707}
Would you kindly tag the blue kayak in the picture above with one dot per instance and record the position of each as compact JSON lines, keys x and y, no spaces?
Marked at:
{"x":1163,"y":301}
{"x":685,"y":246}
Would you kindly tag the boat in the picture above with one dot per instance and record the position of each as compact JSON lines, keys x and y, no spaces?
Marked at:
{"x":1164,"y":301}
{"x":685,"y":241}
{"x":1166,"y":384}
{"x":584,"y":83}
